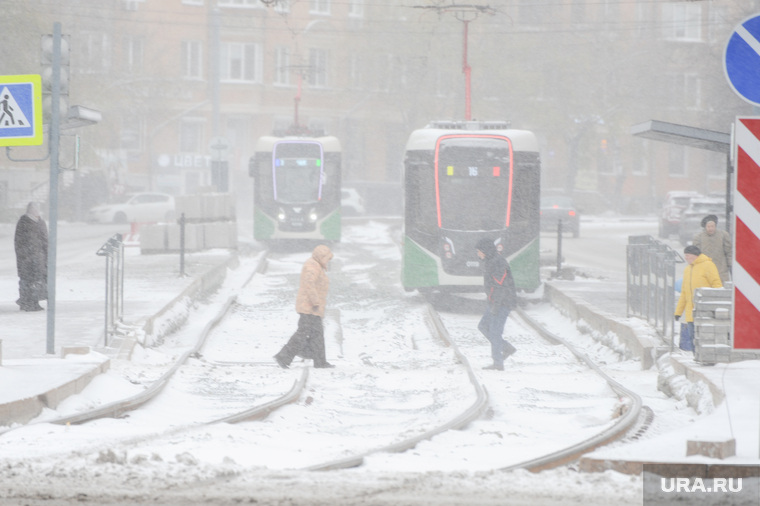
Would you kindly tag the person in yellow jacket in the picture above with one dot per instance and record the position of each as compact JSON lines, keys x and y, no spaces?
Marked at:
{"x":700,"y":273}
{"x":309,"y":340}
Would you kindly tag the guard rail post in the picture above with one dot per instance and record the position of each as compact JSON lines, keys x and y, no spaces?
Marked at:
{"x":651,"y":283}
{"x":113,"y":251}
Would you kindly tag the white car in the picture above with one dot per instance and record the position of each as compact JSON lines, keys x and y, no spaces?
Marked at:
{"x":351,"y":202}
{"x":135,"y":208}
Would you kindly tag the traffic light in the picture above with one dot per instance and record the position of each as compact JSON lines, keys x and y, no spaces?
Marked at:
{"x":55,"y":68}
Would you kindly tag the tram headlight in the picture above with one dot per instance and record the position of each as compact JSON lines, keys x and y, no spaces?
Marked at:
{"x":281,"y":215}
{"x":313,"y":215}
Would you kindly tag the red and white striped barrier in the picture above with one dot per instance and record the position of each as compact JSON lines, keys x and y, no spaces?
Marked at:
{"x":746,"y":232}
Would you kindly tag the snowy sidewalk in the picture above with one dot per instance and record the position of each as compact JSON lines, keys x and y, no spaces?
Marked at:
{"x":152,"y":286}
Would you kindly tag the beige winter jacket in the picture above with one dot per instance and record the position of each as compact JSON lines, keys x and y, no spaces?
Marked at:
{"x":719,"y":248}
{"x":312,"y":291}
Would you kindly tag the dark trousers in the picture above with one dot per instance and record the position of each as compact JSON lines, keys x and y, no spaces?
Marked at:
{"x":30,"y":293}
{"x":492,"y":326}
{"x":307,"y":342}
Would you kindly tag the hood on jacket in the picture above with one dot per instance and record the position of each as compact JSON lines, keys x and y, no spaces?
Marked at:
{"x":487,"y":247}
{"x":322,"y":255}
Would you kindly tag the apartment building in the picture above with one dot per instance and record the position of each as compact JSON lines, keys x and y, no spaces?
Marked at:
{"x":173,"y":77}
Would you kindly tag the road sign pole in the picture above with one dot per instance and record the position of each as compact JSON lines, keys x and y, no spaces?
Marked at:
{"x":53,"y":140}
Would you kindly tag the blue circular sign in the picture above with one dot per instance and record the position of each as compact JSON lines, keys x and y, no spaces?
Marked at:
{"x":742,"y":60}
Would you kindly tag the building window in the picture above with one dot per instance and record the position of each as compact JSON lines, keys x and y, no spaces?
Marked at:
{"x":240,"y":62}
{"x":282,"y":66}
{"x":282,"y":6}
{"x":192,"y":2}
{"x":192,"y":59}
{"x":682,"y":21}
{"x":356,"y":8}
{"x":191,"y":135}
{"x":320,"y":7}
{"x":240,"y":3}
{"x":133,"y":54}
{"x":94,"y":53}
{"x":318,"y":68}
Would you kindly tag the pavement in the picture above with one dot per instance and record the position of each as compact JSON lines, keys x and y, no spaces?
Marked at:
{"x":153,"y":287}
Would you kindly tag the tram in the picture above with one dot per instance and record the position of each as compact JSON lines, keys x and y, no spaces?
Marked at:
{"x":464,"y":181}
{"x":296,"y":191}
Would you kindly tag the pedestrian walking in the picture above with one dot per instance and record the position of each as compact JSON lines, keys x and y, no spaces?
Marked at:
{"x":716,"y":244}
{"x":308,"y":341}
{"x":31,"y":244}
{"x":500,"y":290}
{"x":699,"y":273}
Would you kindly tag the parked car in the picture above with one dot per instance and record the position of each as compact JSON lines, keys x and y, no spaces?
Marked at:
{"x":560,"y":207}
{"x":691,"y":220}
{"x":351,"y":202}
{"x":135,"y":208}
{"x":675,"y":204}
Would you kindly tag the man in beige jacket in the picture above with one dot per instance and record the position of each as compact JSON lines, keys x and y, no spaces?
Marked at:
{"x":309,"y":340}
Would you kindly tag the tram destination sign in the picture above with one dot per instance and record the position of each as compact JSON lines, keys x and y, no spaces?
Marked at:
{"x":742,"y":60}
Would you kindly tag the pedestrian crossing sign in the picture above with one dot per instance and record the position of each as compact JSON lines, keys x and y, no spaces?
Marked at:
{"x":21,"y":110}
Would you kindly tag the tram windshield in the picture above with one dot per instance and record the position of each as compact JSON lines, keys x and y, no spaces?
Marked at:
{"x":474,"y":182}
{"x":297,"y":170}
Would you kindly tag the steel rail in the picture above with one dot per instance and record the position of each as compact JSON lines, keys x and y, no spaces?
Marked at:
{"x":470,"y":414}
{"x":612,"y":433}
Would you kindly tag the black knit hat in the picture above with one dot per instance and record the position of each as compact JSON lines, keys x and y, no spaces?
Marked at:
{"x":486,"y":246}
{"x":709,"y":217}
{"x":692,"y":250}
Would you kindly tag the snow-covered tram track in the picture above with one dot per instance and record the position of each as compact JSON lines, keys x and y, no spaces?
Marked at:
{"x":533,"y":419}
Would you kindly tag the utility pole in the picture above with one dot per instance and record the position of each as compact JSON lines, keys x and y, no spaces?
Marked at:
{"x":54,"y":142}
{"x":465,"y":13}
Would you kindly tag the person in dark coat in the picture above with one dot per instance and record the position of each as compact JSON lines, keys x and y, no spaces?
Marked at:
{"x":309,"y":340}
{"x":717,"y":245}
{"x":31,"y":242}
{"x":499,"y":286}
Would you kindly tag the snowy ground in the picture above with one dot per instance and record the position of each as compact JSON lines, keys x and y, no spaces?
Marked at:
{"x":45,"y":464}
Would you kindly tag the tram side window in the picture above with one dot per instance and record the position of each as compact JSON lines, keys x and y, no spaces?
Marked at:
{"x":331,"y":182}
{"x":264,"y":182}
{"x":420,"y":192}
{"x":525,"y":199}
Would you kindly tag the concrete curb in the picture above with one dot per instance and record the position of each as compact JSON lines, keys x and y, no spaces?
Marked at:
{"x":24,"y":410}
{"x":210,"y":281}
{"x":642,"y":347}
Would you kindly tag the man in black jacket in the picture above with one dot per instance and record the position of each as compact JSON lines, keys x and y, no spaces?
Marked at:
{"x":502,"y":297}
{"x":31,"y":244}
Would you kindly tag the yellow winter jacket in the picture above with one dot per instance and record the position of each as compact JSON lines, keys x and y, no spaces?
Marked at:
{"x":702,"y":273}
{"x":312,"y":291}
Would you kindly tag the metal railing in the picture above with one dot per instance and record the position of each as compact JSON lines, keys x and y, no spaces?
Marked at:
{"x":113,"y":251}
{"x":651,"y":278}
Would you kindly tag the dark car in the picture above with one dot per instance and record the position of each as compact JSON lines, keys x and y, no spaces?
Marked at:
{"x":559,"y":207}
{"x":691,"y":220}
{"x":675,"y":204}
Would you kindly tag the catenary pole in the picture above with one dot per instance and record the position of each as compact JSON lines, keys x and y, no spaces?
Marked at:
{"x":53,"y":140}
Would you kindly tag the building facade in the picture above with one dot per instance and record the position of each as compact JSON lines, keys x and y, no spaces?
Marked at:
{"x":173,"y":78}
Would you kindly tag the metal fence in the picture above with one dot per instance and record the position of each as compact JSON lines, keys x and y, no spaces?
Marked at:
{"x":113,"y":251}
{"x":651,"y":282}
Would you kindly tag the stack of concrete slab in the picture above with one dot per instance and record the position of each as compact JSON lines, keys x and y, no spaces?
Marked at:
{"x":209,"y":222}
{"x":712,"y":327}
